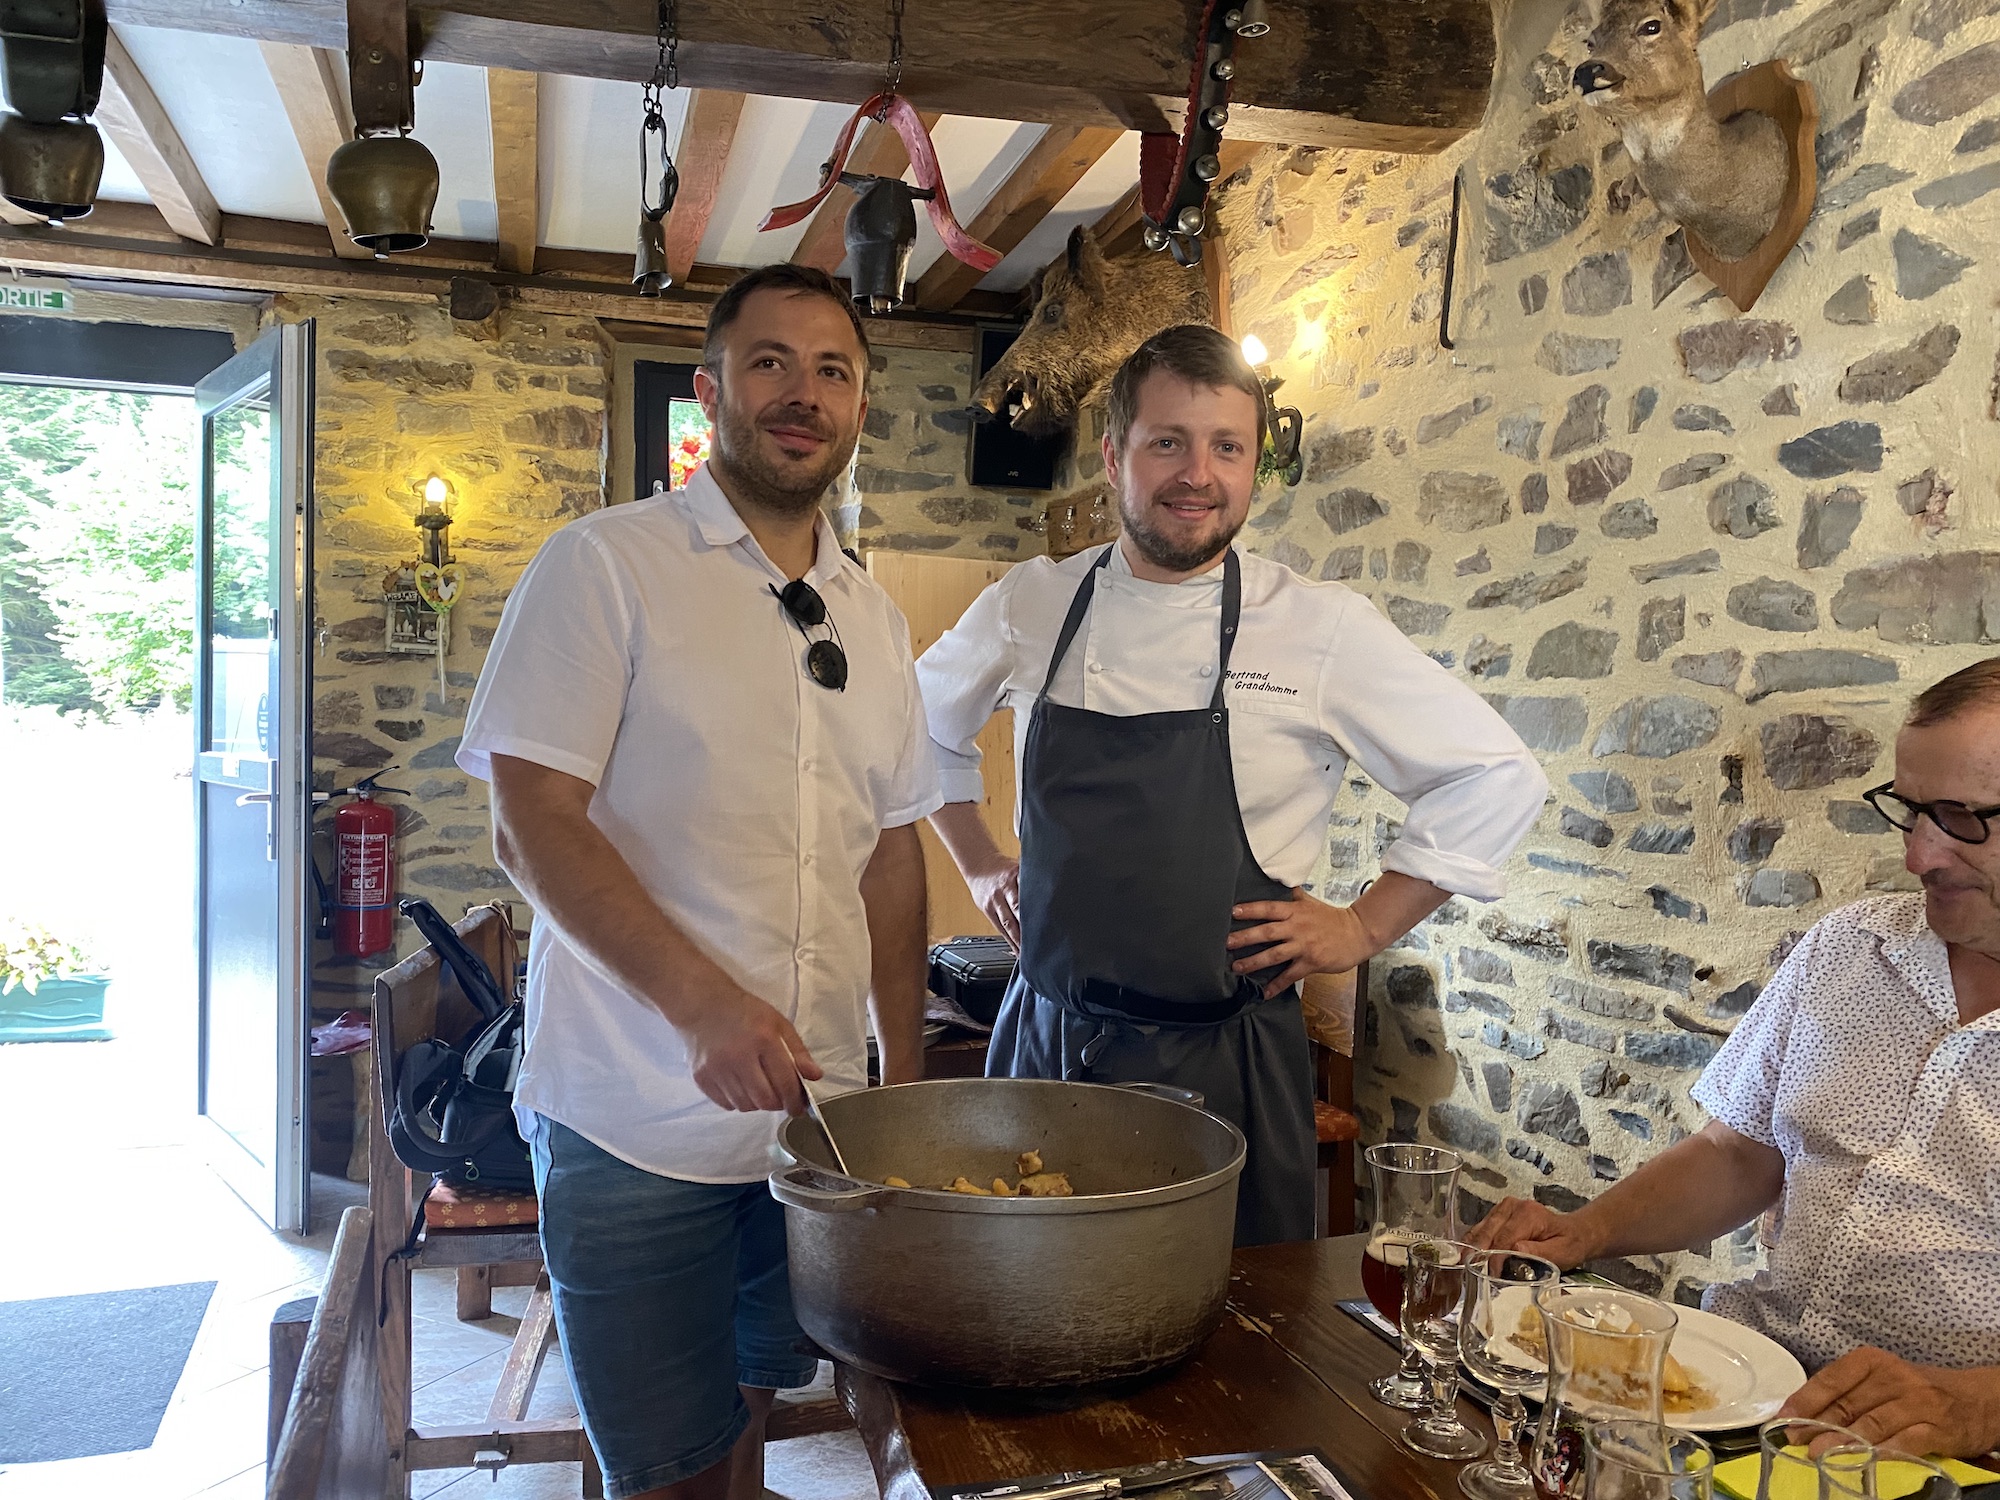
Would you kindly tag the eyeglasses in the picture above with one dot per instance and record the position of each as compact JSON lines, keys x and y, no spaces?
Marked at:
{"x":1969,"y":825}
{"x":826,"y":662}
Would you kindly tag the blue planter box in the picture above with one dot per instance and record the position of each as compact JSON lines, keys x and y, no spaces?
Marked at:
{"x":62,"y":1010}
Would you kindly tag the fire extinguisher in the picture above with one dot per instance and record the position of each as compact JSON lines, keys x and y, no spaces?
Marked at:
{"x":364,"y":887}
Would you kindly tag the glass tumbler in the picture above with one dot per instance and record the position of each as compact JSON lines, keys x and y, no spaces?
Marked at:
{"x":1636,"y":1460}
{"x":1416,"y":1192}
{"x":1786,"y":1469}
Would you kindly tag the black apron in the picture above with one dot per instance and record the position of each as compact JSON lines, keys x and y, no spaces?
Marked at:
{"x":1132,"y":854}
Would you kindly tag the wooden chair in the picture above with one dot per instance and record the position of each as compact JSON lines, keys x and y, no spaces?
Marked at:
{"x":416,"y":1000}
{"x":1330,"y":1003}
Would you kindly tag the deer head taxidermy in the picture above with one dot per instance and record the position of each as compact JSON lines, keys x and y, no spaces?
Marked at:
{"x":1735,"y":169}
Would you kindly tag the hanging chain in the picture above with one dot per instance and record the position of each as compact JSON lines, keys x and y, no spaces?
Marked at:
{"x":894,"y":76}
{"x":666,"y":76}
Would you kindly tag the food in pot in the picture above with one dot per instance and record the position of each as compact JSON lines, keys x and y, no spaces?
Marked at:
{"x":1035,"y":1182}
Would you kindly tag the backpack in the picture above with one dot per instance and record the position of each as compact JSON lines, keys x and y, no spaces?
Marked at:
{"x":454,"y":1107}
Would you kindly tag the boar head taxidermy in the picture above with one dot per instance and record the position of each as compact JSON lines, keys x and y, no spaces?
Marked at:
{"x":1090,"y":313}
{"x":1722,"y":180}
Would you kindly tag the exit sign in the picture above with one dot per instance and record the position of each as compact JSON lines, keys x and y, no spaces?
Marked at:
{"x":36,"y":298}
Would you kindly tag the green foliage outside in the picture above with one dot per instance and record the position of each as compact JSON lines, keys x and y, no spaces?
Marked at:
{"x":97,"y":529}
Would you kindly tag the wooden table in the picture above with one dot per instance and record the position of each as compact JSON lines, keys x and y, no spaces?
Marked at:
{"x":1287,"y":1369}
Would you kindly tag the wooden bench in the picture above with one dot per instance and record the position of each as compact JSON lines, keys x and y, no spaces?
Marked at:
{"x":329,"y":1443}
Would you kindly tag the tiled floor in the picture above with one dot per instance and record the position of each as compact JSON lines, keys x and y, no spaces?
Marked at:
{"x":121,"y":1198}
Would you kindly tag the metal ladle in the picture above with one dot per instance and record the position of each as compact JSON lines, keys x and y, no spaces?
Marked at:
{"x":812,"y":1108}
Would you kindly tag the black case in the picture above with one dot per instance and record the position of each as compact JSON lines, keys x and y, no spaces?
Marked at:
{"x":973,"y":973}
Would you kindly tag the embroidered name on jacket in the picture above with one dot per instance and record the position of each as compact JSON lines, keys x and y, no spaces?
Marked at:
{"x":1260,"y":682}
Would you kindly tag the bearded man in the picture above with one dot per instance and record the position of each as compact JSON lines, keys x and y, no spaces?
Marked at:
{"x":1184,"y":716}
{"x":707,"y":756}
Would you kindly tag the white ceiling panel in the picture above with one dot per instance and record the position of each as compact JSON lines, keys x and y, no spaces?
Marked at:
{"x":1103,"y":185}
{"x":780,"y":144}
{"x":452,"y":120}
{"x":590,"y":160}
{"x":221,"y":99}
{"x":120,"y":184}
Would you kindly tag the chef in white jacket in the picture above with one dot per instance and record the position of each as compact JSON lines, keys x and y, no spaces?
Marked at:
{"x":1183,"y":717}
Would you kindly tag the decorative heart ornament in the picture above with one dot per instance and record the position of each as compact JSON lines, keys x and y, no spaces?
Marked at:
{"x":439,"y":587}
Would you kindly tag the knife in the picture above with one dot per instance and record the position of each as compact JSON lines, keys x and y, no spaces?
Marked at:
{"x":1110,"y":1485}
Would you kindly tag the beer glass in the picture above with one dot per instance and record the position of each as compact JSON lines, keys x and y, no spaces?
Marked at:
{"x":1500,"y":1287}
{"x":1786,"y":1468}
{"x":1415,"y":1196}
{"x":1607,"y":1353}
{"x":1631,"y":1460}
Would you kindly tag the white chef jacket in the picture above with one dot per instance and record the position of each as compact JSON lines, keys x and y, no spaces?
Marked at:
{"x":1317,"y":678}
{"x":1853,"y":1063}
{"x":643,"y":651}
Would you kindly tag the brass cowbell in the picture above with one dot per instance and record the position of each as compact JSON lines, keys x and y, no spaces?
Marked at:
{"x":51,"y":68}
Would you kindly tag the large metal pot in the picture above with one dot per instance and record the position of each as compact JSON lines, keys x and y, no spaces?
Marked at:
{"x":1127,"y":1276}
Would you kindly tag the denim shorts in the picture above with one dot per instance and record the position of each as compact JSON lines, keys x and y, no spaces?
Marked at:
{"x":668,"y":1296}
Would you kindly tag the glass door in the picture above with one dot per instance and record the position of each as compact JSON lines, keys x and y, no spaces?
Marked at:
{"x":253,"y":766}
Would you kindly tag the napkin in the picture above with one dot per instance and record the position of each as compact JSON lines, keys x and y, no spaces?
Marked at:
{"x":1893,"y":1480}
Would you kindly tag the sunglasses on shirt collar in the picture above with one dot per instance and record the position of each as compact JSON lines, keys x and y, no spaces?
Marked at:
{"x":826,"y":662}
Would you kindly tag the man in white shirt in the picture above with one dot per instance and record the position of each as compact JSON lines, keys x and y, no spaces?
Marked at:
{"x":1860,"y":1100}
{"x":701,"y":726}
{"x":1167,"y":820}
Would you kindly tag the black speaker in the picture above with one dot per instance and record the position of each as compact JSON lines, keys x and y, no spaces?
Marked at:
{"x":1002,"y":457}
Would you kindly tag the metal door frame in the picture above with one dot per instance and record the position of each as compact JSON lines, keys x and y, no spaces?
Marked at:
{"x":279,"y":365}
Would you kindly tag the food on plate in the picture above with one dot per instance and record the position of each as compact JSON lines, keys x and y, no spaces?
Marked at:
{"x":1612,"y":1364}
{"x":1036,"y":1181}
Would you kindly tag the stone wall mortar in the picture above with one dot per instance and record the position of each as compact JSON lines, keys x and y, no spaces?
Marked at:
{"x":1701,"y":560}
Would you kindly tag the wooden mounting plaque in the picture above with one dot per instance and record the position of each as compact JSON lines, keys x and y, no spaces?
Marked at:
{"x":1772,"y":89}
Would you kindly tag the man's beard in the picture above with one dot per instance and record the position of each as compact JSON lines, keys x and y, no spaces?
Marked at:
{"x":1163,"y":551}
{"x":788,"y":490}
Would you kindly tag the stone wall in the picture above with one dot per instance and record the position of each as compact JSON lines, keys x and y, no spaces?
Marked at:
{"x":1699,"y":559}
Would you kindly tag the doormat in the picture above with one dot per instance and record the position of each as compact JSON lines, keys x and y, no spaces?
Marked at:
{"x":80,"y":1376}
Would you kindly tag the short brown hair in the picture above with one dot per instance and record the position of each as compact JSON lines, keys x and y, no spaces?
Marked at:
{"x":1976,"y":686}
{"x":784,"y":277}
{"x":1200,"y":355}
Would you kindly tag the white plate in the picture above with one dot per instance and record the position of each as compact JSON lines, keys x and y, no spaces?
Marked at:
{"x":1750,"y":1375}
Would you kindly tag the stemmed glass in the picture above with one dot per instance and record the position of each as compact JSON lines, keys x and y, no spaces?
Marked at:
{"x":1499,"y":1288}
{"x":1433,"y":1303}
{"x":1416,"y":1191}
{"x":1631,"y":1460}
{"x":1607,"y":1352}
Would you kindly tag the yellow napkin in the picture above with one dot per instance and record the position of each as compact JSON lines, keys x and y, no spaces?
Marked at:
{"x":1893,"y":1480}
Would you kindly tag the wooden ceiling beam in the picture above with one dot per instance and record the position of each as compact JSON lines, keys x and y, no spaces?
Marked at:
{"x":879,"y":153}
{"x":308,"y":83}
{"x":707,"y":133}
{"x":1412,"y":76}
{"x":131,"y":242}
{"x":514,"y":110}
{"x":131,"y":114}
{"x":1053,"y":165}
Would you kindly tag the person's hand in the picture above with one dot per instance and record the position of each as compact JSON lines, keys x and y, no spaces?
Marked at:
{"x":1524,"y":1225}
{"x":1311,"y":937}
{"x":1915,"y":1409}
{"x":747,"y":1056}
{"x":997,"y":892}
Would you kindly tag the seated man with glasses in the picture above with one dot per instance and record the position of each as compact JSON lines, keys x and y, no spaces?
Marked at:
{"x":1860,"y":1099}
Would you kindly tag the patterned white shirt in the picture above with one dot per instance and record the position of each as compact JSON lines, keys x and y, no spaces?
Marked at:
{"x":1853,"y":1063}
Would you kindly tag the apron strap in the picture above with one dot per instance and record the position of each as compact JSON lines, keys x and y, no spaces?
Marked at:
{"x":1079,"y":606}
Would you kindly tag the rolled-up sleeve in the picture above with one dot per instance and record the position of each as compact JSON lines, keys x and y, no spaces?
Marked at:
{"x":962,"y":677}
{"x":1472,"y":788}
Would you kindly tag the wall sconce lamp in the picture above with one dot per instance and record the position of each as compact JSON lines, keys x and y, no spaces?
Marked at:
{"x":434,"y":520}
{"x":1284,"y":425}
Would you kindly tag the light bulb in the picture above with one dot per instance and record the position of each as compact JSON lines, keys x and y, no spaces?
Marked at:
{"x":1254,"y":351}
{"x":436,"y":491}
